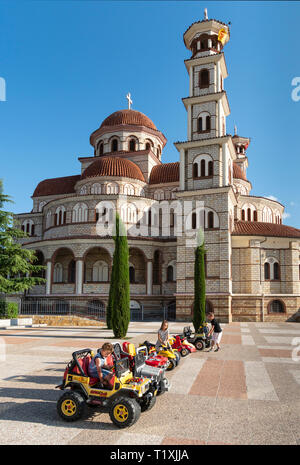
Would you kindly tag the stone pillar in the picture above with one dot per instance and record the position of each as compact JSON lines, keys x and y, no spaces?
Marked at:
{"x":189,"y":135}
{"x":224,"y":165}
{"x":191,"y":81}
{"x":79,"y":276}
{"x":48,"y":277}
{"x":149,"y":277}
{"x":181,"y":173}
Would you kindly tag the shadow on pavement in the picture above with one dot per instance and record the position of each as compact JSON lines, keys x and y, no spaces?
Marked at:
{"x":54,"y":380}
{"x":45,"y":413}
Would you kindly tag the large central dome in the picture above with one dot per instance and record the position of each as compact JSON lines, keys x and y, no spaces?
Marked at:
{"x":130,"y":117}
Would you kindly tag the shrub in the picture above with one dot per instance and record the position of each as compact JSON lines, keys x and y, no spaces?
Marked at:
{"x":8,"y":310}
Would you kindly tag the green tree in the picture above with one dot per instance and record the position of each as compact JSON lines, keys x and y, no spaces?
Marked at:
{"x":199,"y":283}
{"x":120,"y":299}
{"x":16,"y":263}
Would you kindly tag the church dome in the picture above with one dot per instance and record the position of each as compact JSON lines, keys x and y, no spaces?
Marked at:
{"x":113,"y":166}
{"x":128,"y":117}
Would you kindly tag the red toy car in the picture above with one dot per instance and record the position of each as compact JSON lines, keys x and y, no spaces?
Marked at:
{"x":182,"y":345}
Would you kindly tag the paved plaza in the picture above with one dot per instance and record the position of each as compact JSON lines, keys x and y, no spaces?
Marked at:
{"x":248,"y":393}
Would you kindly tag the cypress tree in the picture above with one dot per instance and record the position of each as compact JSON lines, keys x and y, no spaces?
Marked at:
{"x":199,"y":283}
{"x":120,"y":314}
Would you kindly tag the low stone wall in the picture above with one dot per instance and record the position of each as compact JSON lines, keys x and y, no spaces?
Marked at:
{"x":64,"y":320}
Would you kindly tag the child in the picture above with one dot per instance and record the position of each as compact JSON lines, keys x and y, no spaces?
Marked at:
{"x":162,"y":336}
{"x":98,"y":367}
{"x":216,"y":332}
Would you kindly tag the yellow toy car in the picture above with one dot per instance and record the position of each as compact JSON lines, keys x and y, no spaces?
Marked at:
{"x":124,"y":400}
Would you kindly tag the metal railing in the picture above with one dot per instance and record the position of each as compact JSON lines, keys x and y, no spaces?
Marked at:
{"x":94,"y":310}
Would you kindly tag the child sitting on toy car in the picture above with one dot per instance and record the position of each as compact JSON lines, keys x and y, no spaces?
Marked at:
{"x":99,"y":366}
{"x":162,"y":336}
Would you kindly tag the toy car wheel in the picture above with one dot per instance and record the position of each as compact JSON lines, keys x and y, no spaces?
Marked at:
{"x":178,"y":357}
{"x":71,"y":405}
{"x":148,"y":403}
{"x":124,"y":412}
{"x":184,"y":352}
{"x":199,"y":344}
{"x":172,"y":363}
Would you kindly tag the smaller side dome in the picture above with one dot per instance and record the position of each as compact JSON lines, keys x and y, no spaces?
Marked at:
{"x":167,"y":172}
{"x":113,"y":166}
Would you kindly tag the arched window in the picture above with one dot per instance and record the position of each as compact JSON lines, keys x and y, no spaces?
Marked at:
{"x":100,"y":147}
{"x":100,"y":271}
{"x":249,"y":214}
{"x":204,"y":123}
{"x":267,"y":270}
{"x":200,"y":125}
{"x":267,"y":215}
{"x":210,"y":220}
{"x":202,"y":168}
{"x":129,"y":213}
{"x":128,"y":189}
{"x":58,"y":273}
{"x":131,"y":274}
{"x":132,"y":145}
{"x":96,"y":188}
{"x":28,"y":227}
{"x":112,"y":188}
{"x":170,"y":273}
{"x":194,"y":220}
{"x":204,"y":78}
{"x":80,"y":213}
{"x":148,"y":146}
{"x":114,"y":145}
{"x":276,"y":306}
{"x":243,"y":215}
{"x":255,"y":215}
{"x":276,"y":271}
{"x":207,"y":123}
{"x":60,"y":216}
{"x":195,"y":170}
{"x":272,"y":269}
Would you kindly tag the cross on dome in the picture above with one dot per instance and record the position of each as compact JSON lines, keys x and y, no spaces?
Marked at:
{"x":128,"y":96}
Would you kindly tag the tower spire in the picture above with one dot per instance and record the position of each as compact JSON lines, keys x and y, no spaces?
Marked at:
{"x":205,"y":14}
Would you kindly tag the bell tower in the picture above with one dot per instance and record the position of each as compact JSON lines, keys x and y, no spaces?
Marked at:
{"x":206,"y":168}
{"x":207,"y":108}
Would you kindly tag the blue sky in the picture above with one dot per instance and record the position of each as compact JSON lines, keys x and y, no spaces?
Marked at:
{"x":69,"y":64}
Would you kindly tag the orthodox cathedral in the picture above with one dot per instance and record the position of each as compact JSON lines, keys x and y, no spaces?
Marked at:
{"x":252,"y":260}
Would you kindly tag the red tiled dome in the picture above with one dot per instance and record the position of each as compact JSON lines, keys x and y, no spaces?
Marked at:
{"x":248,"y":228}
{"x":56,"y":186}
{"x":167,"y":172}
{"x":113,"y":166}
{"x":238,"y":173}
{"x":129,"y":117}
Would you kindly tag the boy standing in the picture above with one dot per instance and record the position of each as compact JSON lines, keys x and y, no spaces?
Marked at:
{"x":216,"y":332}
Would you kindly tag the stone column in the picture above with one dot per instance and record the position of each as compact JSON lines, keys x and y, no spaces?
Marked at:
{"x":149,"y":277}
{"x":190,"y":122}
{"x":79,"y":276}
{"x":181,"y":174}
{"x":191,"y":81}
{"x":48,"y":277}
